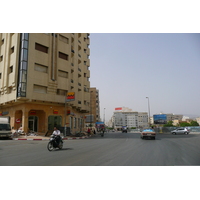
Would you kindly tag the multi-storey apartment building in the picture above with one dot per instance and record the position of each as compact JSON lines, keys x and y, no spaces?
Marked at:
{"x":36,"y":72}
{"x":130,"y":119}
{"x":94,"y":101}
{"x":94,"y":114}
{"x":171,"y":117}
{"x":143,"y":119}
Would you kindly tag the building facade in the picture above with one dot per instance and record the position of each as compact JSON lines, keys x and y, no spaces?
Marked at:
{"x":94,"y":102}
{"x":130,"y":119}
{"x":94,"y":114}
{"x":36,"y":72}
{"x":171,"y":117}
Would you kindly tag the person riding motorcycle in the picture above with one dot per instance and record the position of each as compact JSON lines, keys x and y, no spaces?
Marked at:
{"x":56,"y":132}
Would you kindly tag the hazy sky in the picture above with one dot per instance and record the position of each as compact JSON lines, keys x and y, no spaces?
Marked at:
{"x":128,"y":67}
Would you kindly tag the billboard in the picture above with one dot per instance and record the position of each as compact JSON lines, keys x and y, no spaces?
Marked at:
{"x":160,"y":119}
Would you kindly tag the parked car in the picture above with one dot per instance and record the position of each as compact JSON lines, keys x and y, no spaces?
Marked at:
{"x":124,"y":129}
{"x":148,"y":133}
{"x":5,"y":129}
{"x":181,"y":130}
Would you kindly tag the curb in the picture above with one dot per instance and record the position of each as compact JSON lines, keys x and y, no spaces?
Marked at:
{"x":47,"y":139}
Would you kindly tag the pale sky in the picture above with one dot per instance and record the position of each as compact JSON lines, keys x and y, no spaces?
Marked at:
{"x":128,"y":67}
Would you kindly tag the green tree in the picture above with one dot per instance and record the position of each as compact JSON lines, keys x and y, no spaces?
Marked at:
{"x":169,"y":124}
{"x":184,"y":124}
{"x":194,"y":123}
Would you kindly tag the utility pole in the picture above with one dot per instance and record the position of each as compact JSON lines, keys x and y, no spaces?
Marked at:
{"x":149,"y":112}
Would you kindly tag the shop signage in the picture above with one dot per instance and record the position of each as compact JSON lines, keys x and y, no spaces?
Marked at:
{"x":70,"y":96}
{"x":4,"y":113}
{"x":55,"y":111}
{"x":18,"y":121}
{"x":32,"y":112}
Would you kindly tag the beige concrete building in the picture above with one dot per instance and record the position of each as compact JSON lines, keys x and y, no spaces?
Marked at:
{"x":198,"y":120}
{"x":171,"y":117}
{"x":94,"y":100}
{"x":94,"y":115}
{"x":36,"y":72}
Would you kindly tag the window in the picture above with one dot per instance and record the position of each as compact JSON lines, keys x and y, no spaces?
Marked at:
{"x":74,"y":122}
{"x":64,"y":39}
{"x":41,"y":48}
{"x":63,"y":56}
{"x":62,"y":74}
{"x":41,"y":68}
{"x":61,"y":92}
{"x":12,"y":50}
{"x":10,"y":69}
{"x":24,"y":55}
{"x":39,"y":89}
{"x":0,"y":75}
{"x":1,"y":58}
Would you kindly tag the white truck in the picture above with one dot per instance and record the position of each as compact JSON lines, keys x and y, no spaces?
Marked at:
{"x":5,"y":130}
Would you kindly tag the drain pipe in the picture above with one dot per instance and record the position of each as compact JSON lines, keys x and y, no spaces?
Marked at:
{"x":53,"y":61}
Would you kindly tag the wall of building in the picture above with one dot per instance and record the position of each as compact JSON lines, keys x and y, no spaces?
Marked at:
{"x":130,"y":119}
{"x":57,"y":64}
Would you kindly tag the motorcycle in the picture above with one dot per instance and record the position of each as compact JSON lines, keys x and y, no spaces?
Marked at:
{"x":53,"y":144}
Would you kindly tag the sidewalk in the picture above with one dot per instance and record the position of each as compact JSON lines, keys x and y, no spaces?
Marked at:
{"x":39,"y":137}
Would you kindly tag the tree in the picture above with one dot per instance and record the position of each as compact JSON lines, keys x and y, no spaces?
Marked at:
{"x":194,"y":123}
{"x":184,"y":124}
{"x":169,"y":124}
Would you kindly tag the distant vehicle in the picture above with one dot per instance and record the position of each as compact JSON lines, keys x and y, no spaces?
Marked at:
{"x":181,"y":130}
{"x":148,"y":133}
{"x":5,"y":130}
{"x":124,"y":129}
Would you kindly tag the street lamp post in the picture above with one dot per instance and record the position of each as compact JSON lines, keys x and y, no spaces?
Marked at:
{"x":104,"y":116}
{"x":149,"y":112}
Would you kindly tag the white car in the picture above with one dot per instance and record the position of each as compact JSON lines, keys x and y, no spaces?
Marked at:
{"x":181,"y":130}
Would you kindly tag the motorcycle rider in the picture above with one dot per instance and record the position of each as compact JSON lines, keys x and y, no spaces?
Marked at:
{"x":56,"y":132}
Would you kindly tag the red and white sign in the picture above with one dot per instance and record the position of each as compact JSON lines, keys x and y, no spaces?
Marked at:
{"x":18,"y":121}
{"x":120,"y":108}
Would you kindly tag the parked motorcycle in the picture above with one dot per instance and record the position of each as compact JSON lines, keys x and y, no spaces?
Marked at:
{"x":53,"y":144}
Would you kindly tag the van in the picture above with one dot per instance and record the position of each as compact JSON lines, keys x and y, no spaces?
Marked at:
{"x":5,"y":130}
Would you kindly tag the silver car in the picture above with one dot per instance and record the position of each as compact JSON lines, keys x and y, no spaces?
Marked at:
{"x":181,"y":130}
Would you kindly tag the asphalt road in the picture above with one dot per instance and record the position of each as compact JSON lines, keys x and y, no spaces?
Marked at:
{"x":114,"y":149}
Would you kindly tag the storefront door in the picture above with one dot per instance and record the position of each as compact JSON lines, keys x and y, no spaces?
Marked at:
{"x":54,"y":121}
{"x":33,"y":123}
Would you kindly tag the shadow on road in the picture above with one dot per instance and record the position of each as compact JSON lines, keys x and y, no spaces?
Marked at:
{"x":63,"y":149}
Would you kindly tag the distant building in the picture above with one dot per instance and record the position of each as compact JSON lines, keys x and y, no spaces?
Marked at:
{"x":94,"y":115}
{"x":198,"y":120}
{"x":166,"y":118}
{"x":171,"y":117}
{"x":130,"y":119}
